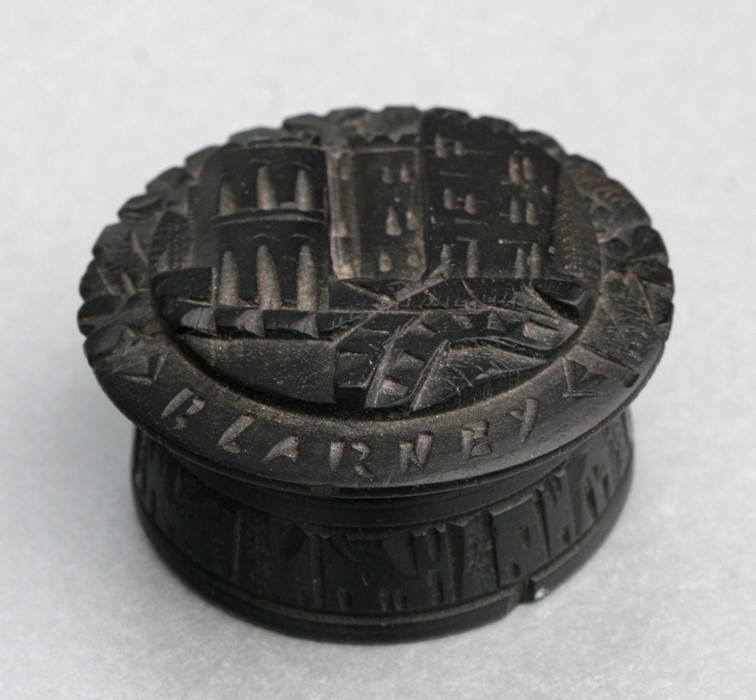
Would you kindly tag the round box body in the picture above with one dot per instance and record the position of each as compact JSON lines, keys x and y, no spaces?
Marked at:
{"x":379,"y":365}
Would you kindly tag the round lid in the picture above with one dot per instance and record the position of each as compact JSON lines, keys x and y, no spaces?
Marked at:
{"x":376,"y":299}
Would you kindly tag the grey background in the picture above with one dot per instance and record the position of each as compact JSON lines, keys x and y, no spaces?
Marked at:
{"x":98,"y":97}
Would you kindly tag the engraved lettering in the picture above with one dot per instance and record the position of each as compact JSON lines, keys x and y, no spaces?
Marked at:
{"x":288,"y":447}
{"x":527,"y":417}
{"x":415,"y":453}
{"x":475,"y":440}
{"x":361,"y":468}
{"x":228,"y":439}
{"x":186,"y":403}
{"x":336,"y":456}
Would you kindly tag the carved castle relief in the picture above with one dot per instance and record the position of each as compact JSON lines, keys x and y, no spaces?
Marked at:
{"x":407,"y":263}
